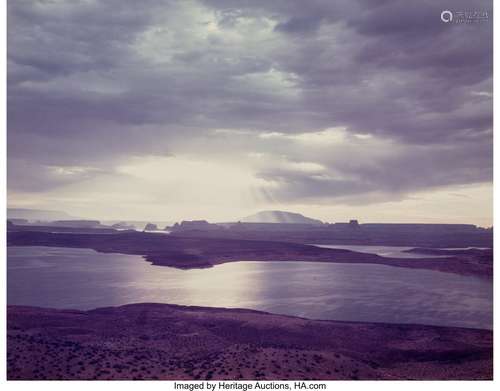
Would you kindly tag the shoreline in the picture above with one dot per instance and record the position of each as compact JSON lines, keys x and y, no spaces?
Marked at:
{"x":239,"y":310}
{"x":167,"y":341}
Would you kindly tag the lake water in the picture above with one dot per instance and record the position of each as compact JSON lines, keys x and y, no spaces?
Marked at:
{"x":384,"y":251}
{"x":85,"y":279}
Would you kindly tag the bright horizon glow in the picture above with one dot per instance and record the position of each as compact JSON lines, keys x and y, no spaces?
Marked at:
{"x":238,"y":195}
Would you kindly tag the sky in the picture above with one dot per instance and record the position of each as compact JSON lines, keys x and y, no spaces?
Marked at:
{"x":216,"y":109}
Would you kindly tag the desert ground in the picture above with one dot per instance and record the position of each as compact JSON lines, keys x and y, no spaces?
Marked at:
{"x":162,"y":341}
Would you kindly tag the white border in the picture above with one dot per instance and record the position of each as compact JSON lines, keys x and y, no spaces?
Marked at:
{"x":164,"y":385}
{"x":3,"y":183}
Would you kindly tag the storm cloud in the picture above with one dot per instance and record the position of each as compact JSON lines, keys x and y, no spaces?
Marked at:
{"x":326,"y":102}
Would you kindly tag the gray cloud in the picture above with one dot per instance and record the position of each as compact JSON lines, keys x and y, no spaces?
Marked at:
{"x":91,"y":84}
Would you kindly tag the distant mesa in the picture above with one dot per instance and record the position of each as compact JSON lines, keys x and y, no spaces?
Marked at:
{"x":354,"y":223}
{"x":350,"y":224}
{"x":78,"y":223}
{"x":151,"y":227}
{"x":57,"y":223}
{"x":123,"y":225}
{"x":36,"y":214}
{"x":278,"y":216}
{"x":194,"y":225}
{"x":18,"y":221}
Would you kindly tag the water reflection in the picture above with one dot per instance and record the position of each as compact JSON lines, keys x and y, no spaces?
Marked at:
{"x":384,"y":251}
{"x":84,"y":279}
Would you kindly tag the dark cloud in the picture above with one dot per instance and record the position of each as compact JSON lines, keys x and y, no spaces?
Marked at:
{"x":92,"y":83}
{"x":411,"y":169}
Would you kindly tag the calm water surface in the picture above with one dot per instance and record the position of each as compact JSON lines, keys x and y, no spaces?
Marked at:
{"x":84,"y":279}
{"x":384,"y":251}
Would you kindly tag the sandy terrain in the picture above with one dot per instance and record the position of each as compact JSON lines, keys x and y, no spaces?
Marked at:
{"x":161,"y":341}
